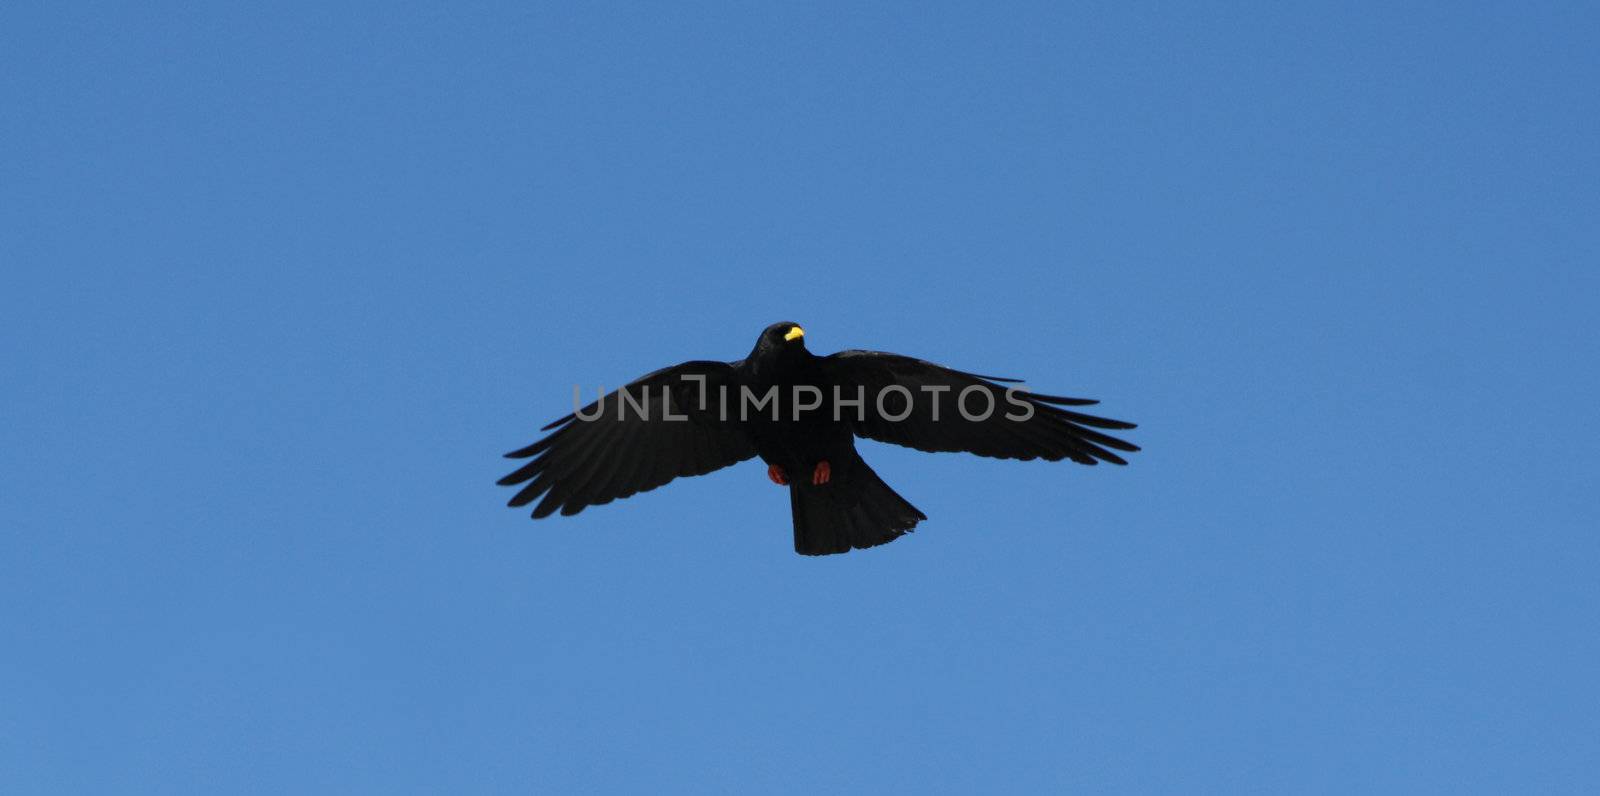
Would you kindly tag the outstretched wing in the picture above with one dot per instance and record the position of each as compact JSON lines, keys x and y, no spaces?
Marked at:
{"x":588,"y":460}
{"x":933,"y":391}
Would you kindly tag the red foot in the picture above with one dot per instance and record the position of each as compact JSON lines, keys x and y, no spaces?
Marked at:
{"x":823,"y":473}
{"x":776,"y":474}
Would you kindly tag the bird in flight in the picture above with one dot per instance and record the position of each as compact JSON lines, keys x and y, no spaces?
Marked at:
{"x":801,"y":414}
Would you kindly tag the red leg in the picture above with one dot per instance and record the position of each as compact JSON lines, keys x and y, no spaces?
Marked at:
{"x":823,"y":473}
{"x":776,"y":474}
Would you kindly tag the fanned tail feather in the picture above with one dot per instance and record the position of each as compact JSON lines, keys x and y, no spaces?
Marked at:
{"x":855,"y":510}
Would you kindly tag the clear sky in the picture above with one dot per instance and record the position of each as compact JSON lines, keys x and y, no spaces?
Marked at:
{"x":281,"y":281}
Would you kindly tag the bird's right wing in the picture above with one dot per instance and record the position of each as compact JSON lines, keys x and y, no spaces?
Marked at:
{"x":921,"y":408}
{"x":588,"y":460}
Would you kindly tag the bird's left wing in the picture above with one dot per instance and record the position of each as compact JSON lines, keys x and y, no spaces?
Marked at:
{"x":590,"y":459}
{"x":919,"y":409}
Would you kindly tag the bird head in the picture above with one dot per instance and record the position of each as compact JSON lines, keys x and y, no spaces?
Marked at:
{"x":781,"y":340}
{"x":783,"y":335}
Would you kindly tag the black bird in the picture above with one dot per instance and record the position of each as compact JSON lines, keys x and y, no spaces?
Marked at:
{"x":801,"y":414}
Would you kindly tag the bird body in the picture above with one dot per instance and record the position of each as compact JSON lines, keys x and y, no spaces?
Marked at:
{"x":800,"y":413}
{"x":794,"y":435}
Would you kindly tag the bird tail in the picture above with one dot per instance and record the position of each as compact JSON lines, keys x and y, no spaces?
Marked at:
{"x":855,"y":509}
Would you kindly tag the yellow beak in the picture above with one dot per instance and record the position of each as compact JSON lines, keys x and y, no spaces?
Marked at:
{"x":795,"y":333}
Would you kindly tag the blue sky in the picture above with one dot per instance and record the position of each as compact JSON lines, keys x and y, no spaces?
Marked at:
{"x":282,"y":281}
